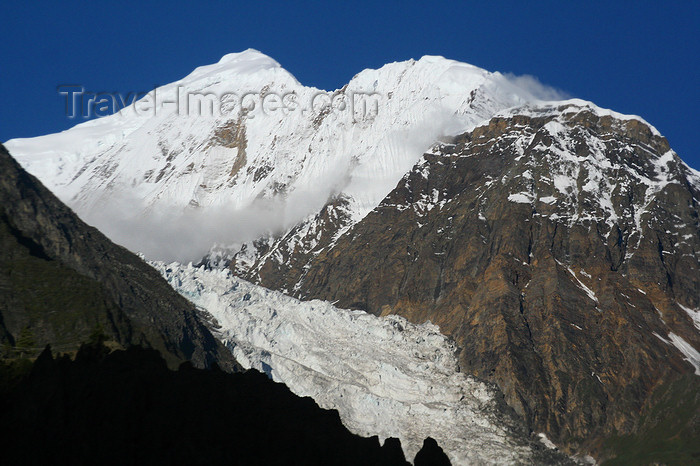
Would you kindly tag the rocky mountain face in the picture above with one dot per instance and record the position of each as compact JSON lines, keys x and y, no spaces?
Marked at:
{"x":62,"y":280}
{"x":558,"y":244}
{"x":281,"y":259}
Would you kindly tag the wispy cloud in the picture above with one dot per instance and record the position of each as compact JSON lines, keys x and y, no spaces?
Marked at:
{"x":536,"y":88}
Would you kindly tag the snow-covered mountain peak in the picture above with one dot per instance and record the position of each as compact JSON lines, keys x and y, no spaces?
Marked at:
{"x":245,"y":72}
{"x":436,"y":77}
{"x":240,"y":65}
{"x":249,"y":55}
{"x":270,"y":141}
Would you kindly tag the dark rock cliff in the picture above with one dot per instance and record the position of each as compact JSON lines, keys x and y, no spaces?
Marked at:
{"x":559,"y":247}
{"x":62,"y":280}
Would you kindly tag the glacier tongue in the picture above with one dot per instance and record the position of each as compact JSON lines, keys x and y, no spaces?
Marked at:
{"x":385,"y":376}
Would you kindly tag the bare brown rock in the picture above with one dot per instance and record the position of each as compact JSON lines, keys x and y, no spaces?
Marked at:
{"x":556,"y":247}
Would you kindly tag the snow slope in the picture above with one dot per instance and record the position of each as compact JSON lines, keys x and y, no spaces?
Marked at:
{"x":146,"y":177}
{"x":385,"y":376}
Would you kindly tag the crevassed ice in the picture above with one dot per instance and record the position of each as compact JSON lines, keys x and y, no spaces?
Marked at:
{"x":385,"y":376}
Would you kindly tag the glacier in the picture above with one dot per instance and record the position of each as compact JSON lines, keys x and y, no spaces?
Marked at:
{"x":384,"y":375}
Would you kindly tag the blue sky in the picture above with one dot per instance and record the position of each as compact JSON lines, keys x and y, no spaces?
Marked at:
{"x":634,"y":57}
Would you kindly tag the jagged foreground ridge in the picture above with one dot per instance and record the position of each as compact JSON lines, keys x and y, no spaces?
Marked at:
{"x":558,"y":244}
{"x":385,"y":376}
{"x":127,"y":407}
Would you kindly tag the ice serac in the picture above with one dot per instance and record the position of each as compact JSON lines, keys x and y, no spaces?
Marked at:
{"x":385,"y":376}
{"x":144,"y":178}
{"x":559,"y":244}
